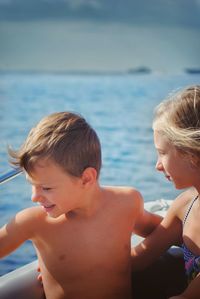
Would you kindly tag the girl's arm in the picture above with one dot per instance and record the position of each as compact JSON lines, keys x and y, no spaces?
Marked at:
{"x":167,"y":233}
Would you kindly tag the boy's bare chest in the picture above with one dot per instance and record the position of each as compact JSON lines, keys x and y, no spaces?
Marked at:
{"x":79,"y":255}
{"x":82,"y":247}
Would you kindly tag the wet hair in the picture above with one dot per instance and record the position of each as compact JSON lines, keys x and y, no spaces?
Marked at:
{"x":65,"y":138}
{"x":178,"y":118}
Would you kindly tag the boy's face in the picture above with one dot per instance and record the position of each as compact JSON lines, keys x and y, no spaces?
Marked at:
{"x":55,"y":190}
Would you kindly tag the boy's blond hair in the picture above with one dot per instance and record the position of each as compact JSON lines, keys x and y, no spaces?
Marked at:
{"x":178,"y":118}
{"x":64,"y":137}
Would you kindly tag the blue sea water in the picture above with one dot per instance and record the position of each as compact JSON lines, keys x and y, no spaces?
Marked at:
{"x":119,"y":107}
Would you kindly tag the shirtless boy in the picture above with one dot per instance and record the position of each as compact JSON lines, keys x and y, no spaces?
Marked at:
{"x":81,"y":231}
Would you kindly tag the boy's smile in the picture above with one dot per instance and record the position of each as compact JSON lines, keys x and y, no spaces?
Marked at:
{"x":55,"y":190}
{"x":47,"y":207}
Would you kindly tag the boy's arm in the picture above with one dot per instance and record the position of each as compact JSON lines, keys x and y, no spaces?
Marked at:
{"x":146,"y":223}
{"x":14,"y":233}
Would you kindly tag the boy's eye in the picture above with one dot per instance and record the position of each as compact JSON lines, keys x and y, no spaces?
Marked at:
{"x":46,"y":188}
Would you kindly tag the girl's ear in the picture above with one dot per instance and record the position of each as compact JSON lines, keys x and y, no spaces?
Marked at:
{"x":192,"y":158}
{"x":89,"y":176}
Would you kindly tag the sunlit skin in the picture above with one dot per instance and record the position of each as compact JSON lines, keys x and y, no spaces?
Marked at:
{"x":181,"y":170}
{"x":81,"y":232}
{"x":175,"y":165}
{"x":57,"y":192}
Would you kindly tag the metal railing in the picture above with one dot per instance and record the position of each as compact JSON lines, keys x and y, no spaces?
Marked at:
{"x":9,"y":175}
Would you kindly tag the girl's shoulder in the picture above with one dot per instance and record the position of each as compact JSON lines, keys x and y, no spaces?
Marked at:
{"x":183,"y":201}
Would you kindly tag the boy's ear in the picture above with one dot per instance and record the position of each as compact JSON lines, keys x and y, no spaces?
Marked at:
{"x":89,"y":176}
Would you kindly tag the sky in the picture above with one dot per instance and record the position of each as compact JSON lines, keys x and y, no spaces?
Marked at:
{"x":99,"y":35}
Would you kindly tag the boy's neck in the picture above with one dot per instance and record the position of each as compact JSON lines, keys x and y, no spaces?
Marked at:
{"x":91,"y":204}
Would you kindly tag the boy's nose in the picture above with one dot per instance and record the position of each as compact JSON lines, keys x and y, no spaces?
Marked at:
{"x":36,"y":195}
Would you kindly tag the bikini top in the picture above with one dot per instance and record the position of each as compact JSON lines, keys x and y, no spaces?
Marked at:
{"x":192,"y":261}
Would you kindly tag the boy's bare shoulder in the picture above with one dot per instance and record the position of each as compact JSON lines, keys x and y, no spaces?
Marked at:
{"x":124,"y":191}
{"x":30,"y":216}
{"x":126,"y":195}
{"x":23,"y":226}
{"x":32,"y":212}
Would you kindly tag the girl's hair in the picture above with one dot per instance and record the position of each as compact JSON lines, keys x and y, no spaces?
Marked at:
{"x":64,"y":137}
{"x":178,"y":118}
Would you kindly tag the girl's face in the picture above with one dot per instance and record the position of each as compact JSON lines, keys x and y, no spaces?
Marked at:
{"x":176,"y":166}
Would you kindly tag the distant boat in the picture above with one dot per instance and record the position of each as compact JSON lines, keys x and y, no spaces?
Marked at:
{"x":192,"y":70}
{"x":139,"y":70}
